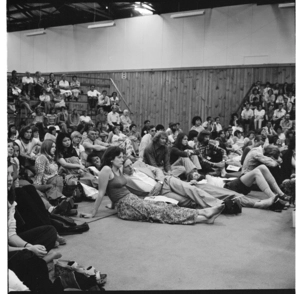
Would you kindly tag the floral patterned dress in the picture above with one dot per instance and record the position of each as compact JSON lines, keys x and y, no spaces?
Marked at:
{"x":131,"y":207}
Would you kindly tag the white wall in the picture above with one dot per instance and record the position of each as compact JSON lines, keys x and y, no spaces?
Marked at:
{"x":226,"y":36}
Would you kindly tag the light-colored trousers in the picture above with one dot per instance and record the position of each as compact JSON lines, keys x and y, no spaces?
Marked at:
{"x":188,"y":195}
{"x":185,"y":165}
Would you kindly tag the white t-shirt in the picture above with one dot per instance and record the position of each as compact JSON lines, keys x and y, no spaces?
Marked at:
{"x":26,"y":80}
{"x":27,"y":148}
{"x":45,"y":98}
{"x":259,"y":114}
{"x":94,"y":93}
{"x":63,"y":84}
{"x":86,"y":119}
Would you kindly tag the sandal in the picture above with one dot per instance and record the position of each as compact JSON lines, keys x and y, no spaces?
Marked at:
{"x":285,"y":197}
{"x":100,"y":278}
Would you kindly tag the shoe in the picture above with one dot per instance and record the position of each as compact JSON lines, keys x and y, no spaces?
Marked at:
{"x":61,"y":208}
{"x":61,"y":240}
{"x":72,"y":212}
{"x":276,"y":206}
{"x":285,"y":197}
{"x":284,"y":203}
{"x":100,"y":278}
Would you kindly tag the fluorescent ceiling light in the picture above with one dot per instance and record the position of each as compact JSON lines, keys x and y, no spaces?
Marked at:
{"x":102,"y":25}
{"x":188,"y":13}
{"x":286,"y":5}
{"x":41,"y":32}
{"x":143,"y":11}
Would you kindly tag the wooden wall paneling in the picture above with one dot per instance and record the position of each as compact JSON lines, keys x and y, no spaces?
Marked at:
{"x":167,"y":98}
{"x":293,"y":75}
{"x":185,"y":98}
{"x":222,"y":86}
{"x":288,"y":75}
{"x":144,"y":110}
{"x":135,"y":106}
{"x":274,"y":75}
{"x":171,"y":97}
{"x":159,"y":102}
{"x":151,"y":95}
{"x":216,"y":103}
{"x":158,"y":96}
{"x":193,"y":98}
{"x":269,"y":76}
{"x":228,"y":90}
{"x":163,"y":96}
{"x":155,"y":96}
{"x":179,"y":95}
{"x":203,"y":94}
{"x":189,"y":102}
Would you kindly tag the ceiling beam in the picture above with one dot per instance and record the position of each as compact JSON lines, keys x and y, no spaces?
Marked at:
{"x":24,"y":11}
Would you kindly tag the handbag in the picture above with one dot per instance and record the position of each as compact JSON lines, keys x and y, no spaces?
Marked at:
{"x":70,"y":184}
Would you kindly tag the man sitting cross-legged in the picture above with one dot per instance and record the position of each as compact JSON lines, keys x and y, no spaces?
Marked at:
{"x":146,"y":180}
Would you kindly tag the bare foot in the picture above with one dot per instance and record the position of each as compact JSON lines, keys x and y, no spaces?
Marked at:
{"x":110,"y":206}
{"x":211,"y":211}
{"x":264,"y":204}
{"x":211,"y":220}
{"x":52,"y":255}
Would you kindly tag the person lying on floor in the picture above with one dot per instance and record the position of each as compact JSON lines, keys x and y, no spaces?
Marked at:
{"x":146,"y":180}
{"x":260,"y":176}
{"x":131,"y":207}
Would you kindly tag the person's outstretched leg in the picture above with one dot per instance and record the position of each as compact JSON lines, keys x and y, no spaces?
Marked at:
{"x":199,"y":196}
{"x":270,"y":179}
{"x":256,"y":176}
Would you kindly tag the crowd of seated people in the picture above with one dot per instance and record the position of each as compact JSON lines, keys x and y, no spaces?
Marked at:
{"x":54,"y":93}
{"x":114,"y":156}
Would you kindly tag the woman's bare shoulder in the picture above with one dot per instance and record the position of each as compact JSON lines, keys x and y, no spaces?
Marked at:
{"x":106,"y":170}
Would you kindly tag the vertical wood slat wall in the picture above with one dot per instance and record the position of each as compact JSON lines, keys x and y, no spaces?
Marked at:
{"x":178,"y":95}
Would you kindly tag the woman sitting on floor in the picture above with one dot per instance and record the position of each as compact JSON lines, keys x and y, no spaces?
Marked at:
{"x":47,"y":170}
{"x":27,"y":146}
{"x":135,"y":137}
{"x":183,"y":155}
{"x":68,"y":159}
{"x":131,"y":207}
{"x":121,"y":140}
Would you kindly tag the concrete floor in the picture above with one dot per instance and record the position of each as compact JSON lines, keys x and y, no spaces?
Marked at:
{"x":254,"y":250}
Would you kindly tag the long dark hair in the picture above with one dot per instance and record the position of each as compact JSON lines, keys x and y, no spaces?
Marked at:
{"x":110,"y":154}
{"x":178,"y":142}
{"x":59,"y":145}
{"x":23,"y":131}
